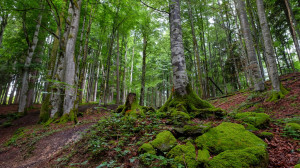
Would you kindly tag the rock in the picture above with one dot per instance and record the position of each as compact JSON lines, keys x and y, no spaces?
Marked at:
{"x":258,"y":120}
{"x":297,"y":166}
{"x":252,"y":157}
{"x":203,"y":156}
{"x":147,"y":148}
{"x":164,"y":141}
{"x":191,"y":131}
{"x":228,"y":136}
{"x":184,"y":154}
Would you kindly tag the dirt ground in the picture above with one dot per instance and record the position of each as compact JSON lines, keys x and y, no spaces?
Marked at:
{"x":48,"y":146}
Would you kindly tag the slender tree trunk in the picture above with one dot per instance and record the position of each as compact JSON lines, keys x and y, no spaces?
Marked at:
{"x":3,"y":24}
{"x":268,"y":43}
{"x":196,"y":49}
{"x":12,"y":94}
{"x":258,"y":80}
{"x":142,"y":96}
{"x":118,"y":67}
{"x":180,"y":77}
{"x":30,"y":52}
{"x":292,"y":28}
{"x":124,"y":76}
{"x":70,"y":92}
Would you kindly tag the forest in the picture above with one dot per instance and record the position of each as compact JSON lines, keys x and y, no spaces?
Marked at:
{"x":150,"y":83}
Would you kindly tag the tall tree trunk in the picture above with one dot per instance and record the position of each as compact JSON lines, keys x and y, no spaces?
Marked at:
{"x":180,"y":77}
{"x":196,"y":49}
{"x":12,"y":94}
{"x":268,"y":43}
{"x":142,"y":96}
{"x":70,"y":92}
{"x":124,"y":76}
{"x":30,"y":52}
{"x":258,"y":80}
{"x":57,"y":95}
{"x":118,"y":69}
{"x":292,"y":27}
{"x":3,"y":24}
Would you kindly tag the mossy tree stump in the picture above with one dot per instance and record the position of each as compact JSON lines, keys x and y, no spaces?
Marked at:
{"x":131,"y":106}
{"x":192,"y":104}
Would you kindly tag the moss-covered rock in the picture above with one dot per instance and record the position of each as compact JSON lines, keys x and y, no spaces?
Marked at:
{"x":164,"y":141}
{"x":258,"y":120}
{"x":297,"y":166}
{"x":293,"y":126}
{"x":147,"y":148}
{"x":267,"y":135}
{"x":203,"y":156}
{"x":250,"y":127}
{"x":228,"y":136}
{"x":252,"y":157}
{"x":185,"y":155}
{"x":179,"y":117}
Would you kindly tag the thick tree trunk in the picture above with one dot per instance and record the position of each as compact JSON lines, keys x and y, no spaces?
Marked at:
{"x":142,"y":96}
{"x":268,"y":43}
{"x":70,"y":91}
{"x":258,"y":80}
{"x":180,"y":77}
{"x":30,"y":52}
{"x":58,"y":90}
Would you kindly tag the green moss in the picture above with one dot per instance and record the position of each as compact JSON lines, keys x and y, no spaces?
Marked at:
{"x":297,"y":166}
{"x":203,"y":156}
{"x":275,"y":95}
{"x":164,"y":141}
{"x":45,"y":111}
{"x":69,"y":117}
{"x":250,"y":127}
{"x":259,"y":120}
{"x":184,"y":154}
{"x":228,"y":136}
{"x":196,"y":129}
{"x":147,"y":148}
{"x":190,"y":103}
{"x":293,"y":126}
{"x":120,"y":109}
{"x":267,"y":135}
{"x":245,"y":158}
{"x":179,"y":116}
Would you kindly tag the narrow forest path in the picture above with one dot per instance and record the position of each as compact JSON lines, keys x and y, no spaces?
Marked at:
{"x":45,"y":142}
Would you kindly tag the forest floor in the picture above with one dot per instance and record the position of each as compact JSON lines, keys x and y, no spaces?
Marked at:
{"x":24,"y":143}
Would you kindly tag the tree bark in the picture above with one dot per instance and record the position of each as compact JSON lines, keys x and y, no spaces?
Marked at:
{"x":258,"y":80}
{"x":3,"y":24}
{"x":142,"y":96}
{"x":292,"y":28}
{"x":180,"y":77}
{"x":70,"y":92}
{"x":30,"y":52}
{"x":268,"y":43}
{"x":118,"y":69}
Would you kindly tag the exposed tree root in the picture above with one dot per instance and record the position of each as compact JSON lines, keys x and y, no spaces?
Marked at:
{"x":191,"y":104}
{"x":275,"y":95}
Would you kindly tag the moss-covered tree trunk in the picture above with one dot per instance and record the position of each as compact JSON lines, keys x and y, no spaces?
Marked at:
{"x":183,"y":98}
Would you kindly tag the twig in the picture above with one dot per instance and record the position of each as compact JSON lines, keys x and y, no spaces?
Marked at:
{"x":154,"y":8}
